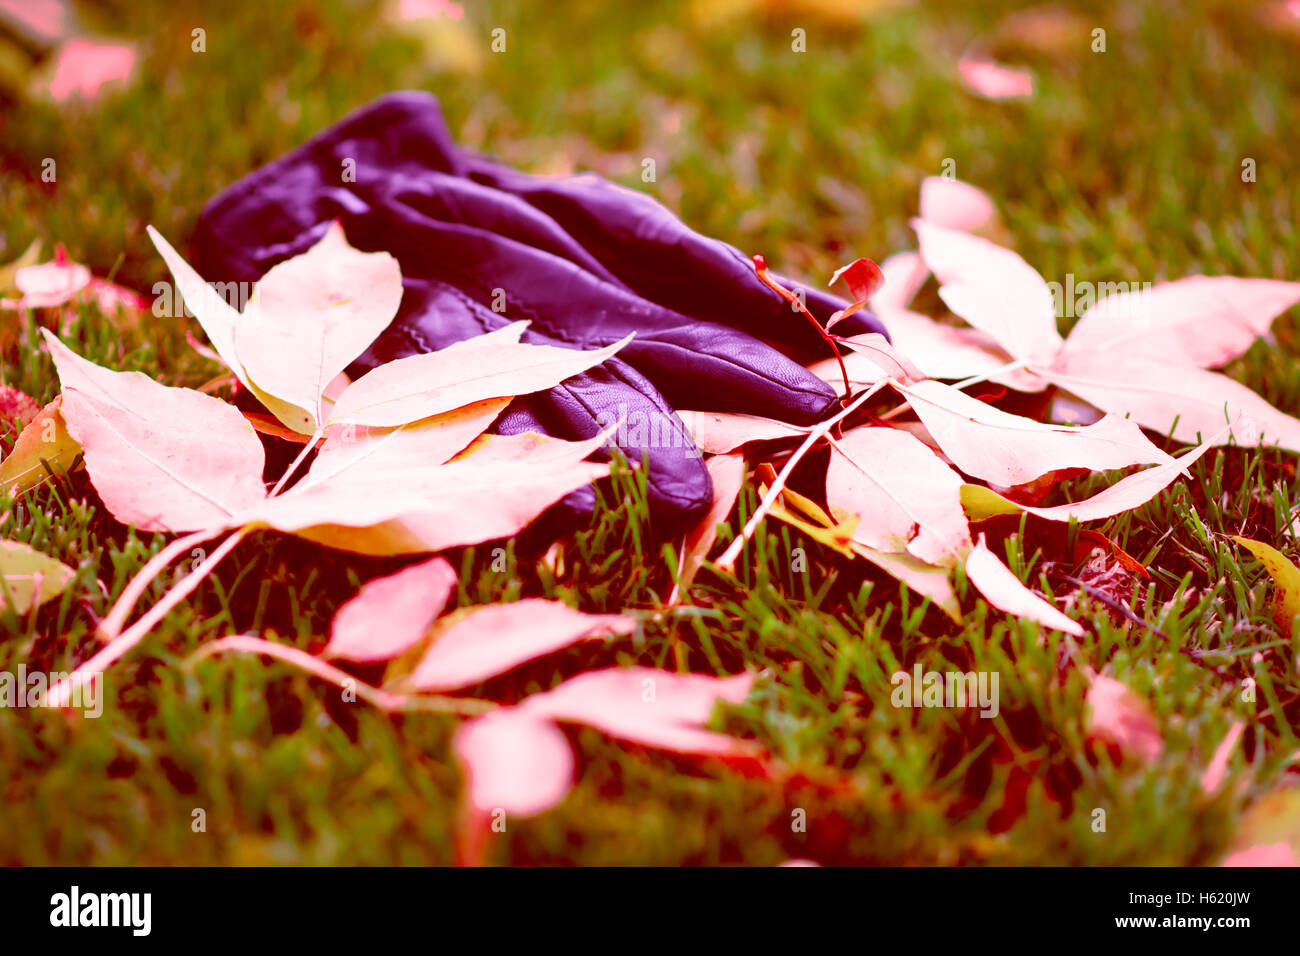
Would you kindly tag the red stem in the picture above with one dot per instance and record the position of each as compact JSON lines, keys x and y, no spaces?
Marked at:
{"x":760,"y":266}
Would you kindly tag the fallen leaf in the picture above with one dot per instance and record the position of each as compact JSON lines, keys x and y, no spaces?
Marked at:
{"x":881,"y":353}
{"x":391,"y":453}
{"x":488,"y":640}
{"x":1005,"y":591}
{"x":1201,"y":320}
{"x":954,"y":204}
{"x":16,"y":406}
{"x":1268,"y":833}
{"x":1125,"y":495}
{"x":728,"y":475}
{"x":993,"y":289}
{"x":220,"y":320}
{"x":717,"y":433}
{"x":905,"y":497}
{"x":310,"y":316}
{"x":1286,"y":581}
{"x":83,"y":67}
{"x":1183,"y":401}
{"x":1125,"y":560}
{"x":43,"y":447}
{"x":936,"y":350}
{"x":42,"y":22}
{"x":51,"y":283}
{"x":390,"y":614}
{"x":904,"y":273}
{"x":492,"y":490}
{"x":487,"y":366}
{"x":650,"y":707}
{"x":806,"y":515}
{"x":926,"y":580}
{"x":270,"y":425}
{"x":111,"y":299}
{"x":1101,"y":578}
{"x":163,"y":459}
{"x":982,"y":503}
{"x":1118,"y":716}
{"x":29,"y":577}
{"x":862,"y":276}
{"x":1273,"y":855}
{"x":514,"y":761}
{"x":994,"y":81}
{"x":1008,"y":449}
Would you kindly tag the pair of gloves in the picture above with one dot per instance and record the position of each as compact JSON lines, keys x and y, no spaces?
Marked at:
{"x":481,"y":245}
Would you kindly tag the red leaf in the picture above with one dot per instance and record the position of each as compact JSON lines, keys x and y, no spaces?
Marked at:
{"x":491,"y":639}
{"x":863,"y":276}
{"x":390,"y":614}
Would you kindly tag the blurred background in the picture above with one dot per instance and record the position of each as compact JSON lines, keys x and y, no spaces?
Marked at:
{"x":796,"y":128}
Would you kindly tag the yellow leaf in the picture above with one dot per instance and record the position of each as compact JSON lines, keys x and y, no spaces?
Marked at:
{"x":927,"y":580}
{"x":9,"y":270}
{"x":43,"y":446}
{"x":29,"y":578}
{"x":982,"y":503}
{"x":1269,"y":832}
{"x":838,"y":536}
{"x":1286,"y":578}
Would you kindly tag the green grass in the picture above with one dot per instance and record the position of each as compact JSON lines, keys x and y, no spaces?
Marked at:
{"x":1125,"y":166}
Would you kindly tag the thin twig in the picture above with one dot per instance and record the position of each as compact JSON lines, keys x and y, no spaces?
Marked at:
{"x":376,"y":696}
{"x":112,"y":623}
{"x":760,"y":266}
{"x":61,"y":692}
{"x":297,"y":461}
{"x":964,"y":383}
{"x":728,"y":559}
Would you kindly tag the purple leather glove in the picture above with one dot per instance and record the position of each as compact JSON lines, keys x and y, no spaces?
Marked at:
{"x":481,"y":245}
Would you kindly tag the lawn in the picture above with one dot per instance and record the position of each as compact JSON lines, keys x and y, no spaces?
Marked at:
{"x":1125,"y":165}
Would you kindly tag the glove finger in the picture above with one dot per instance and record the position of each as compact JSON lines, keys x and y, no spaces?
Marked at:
{"x":678,"y":484}
{"x":269,"y":215}
{"x":662,"y":259}
{"x":612,"y":393}
{"x":455,"y":199}
{"x":696,"y":364}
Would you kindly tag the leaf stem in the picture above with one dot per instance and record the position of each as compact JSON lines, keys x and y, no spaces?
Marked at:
{"x":61,"y":692}
{"x":320,"y":433}
{"x":728,"y":559}
{"x":112,"y":623}
{"x":964,"y":383}
{"x":760,"y":267}
{"x":376,"y":696}
{"x":977,"y":379}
